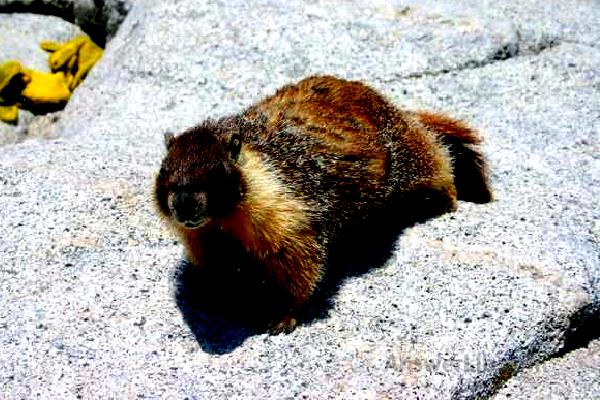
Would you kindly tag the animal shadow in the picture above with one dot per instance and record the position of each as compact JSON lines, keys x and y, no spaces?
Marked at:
{"x":232,"y":297}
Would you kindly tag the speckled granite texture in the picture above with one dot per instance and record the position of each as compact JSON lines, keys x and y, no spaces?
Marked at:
{"x":88,"y":300}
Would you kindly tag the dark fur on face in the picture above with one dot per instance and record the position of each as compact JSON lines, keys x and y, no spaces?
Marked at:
{"x":199,"y":178}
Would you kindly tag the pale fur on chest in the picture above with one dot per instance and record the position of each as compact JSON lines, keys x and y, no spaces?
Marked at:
{"x":270,"y":217}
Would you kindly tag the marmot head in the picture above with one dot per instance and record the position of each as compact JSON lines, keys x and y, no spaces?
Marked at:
{"x":199,"y":178}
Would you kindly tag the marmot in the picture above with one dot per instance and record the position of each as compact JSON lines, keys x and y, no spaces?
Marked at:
{"x":285,"y":176}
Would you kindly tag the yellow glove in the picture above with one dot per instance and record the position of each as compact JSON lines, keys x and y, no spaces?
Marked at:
{"x":11,"y":85}
{"x":29,"y":89}
{"x":74,"y":58}
{"x":42,"y":92}
{"x":8,"y":70}
{"x":44,"y":88}
{"x":9,"y":114}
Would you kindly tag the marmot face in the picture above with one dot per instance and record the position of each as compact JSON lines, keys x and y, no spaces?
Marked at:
{"x":199,"y":179}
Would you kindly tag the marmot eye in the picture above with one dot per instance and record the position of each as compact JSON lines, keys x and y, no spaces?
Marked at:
{"x":235,"y":144}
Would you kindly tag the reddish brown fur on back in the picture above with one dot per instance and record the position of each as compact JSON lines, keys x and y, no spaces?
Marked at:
{"x":449,"y":127}
{"x":336,"y":114}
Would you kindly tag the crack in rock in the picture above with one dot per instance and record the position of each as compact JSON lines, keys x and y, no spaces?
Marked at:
{"x":583,"y":328}
{"x":506,"y":52}
{"x":100,"y":19}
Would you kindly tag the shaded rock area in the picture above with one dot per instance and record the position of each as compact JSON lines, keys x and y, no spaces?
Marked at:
{"x":574,"y":376}
{"x":100,"y":19}
{"x":91,"y":302}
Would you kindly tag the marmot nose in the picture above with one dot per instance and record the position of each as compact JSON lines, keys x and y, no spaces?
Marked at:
{"x":186,"y":206}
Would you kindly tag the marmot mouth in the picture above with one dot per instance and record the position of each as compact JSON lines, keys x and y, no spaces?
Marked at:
{"x":194,"y":224}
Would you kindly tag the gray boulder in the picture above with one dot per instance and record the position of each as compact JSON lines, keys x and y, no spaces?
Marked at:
{"x":92,"y":281}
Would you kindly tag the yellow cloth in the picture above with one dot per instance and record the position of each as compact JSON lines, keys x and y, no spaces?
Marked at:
{"x":9,"y":114}
{"x":41,"y":92}
{"x":74,"y":58}
{"x":8,"y":70}
{"x":28,"y":89}
{"x":43,"y":87}
{"x":11,"y":85}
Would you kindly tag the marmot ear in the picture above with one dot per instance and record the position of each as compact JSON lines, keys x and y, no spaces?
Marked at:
{"x":169,"y":139}
{"x":235,"y":144}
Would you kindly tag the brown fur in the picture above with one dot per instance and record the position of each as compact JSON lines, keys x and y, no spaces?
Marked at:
{"x":314,"y":158}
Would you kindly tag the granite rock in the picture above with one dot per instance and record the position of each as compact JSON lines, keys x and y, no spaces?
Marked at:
{"x":91,"y":302}
{"x":573,"y":376}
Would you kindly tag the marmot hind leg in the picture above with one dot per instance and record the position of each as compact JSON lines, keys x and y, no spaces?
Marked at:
{"x":468,"y":164}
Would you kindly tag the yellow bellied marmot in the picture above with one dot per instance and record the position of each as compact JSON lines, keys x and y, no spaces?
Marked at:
{"x":285,"y":176}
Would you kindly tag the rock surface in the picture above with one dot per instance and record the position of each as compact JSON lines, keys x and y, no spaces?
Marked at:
{"x":574,"y":376}
{"x":88,"y":303}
